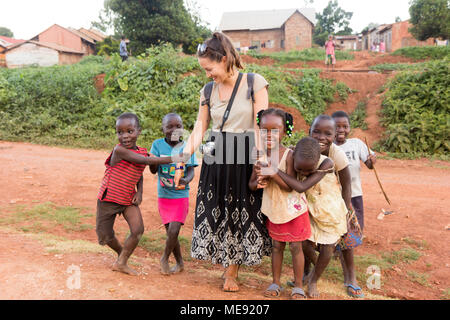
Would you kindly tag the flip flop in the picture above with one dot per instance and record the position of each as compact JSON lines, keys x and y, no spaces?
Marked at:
{"x":298,"y":291}
{"x":355,"y":288}
{"x":273,"y":288}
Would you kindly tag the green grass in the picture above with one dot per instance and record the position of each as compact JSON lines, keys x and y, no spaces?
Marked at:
{"x":420,"y":278}
{"x":44,"y":217}
{"x":311,"y":54}
{"x":426,"y":52}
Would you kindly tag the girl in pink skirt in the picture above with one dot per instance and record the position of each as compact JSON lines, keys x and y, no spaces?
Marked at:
{"x":173,"y":200}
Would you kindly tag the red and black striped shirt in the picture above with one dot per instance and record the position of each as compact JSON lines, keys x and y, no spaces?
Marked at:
{"x":120,"y":180}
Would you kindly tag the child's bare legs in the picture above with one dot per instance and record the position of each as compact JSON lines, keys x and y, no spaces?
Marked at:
{"x":310,"y":258}
{"x":115,"y":245}
{"x":298,"y":264}
{"x":172,"y":246}
{"x":134,"y":219}
{"x":277,"y":263}
{"x":326,"y":252}
{"x":348,"y":267}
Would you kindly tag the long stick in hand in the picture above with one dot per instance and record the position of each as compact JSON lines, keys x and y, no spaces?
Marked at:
{"x":376,"y":174}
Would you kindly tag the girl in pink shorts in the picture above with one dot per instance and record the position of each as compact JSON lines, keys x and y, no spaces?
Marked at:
{"x":173,"y":202}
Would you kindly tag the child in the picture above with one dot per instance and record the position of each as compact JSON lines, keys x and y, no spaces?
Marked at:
{"x":323,"y":130}
{"x":356,"y":151}
{"x":326,"y":206}
{"x":286,"y":210}
{"x":173,"y":202}
{"x":118,"y":195}
{"x":330,"y":59}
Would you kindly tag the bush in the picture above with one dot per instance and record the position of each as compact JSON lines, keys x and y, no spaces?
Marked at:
{"x":421,"y":53}
{"x":416,"y":111}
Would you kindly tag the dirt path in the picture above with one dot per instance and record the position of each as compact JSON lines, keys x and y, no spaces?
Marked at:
{"x":35,"y":174}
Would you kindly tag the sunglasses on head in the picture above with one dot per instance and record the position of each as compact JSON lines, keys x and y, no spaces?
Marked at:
{"x":201,"y":48}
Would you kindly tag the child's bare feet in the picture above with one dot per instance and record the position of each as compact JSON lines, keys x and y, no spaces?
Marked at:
{"x":312,"y":289}
{"x":124,"y":269}
{"x":177,"y":268}
{"x":165,"y":268}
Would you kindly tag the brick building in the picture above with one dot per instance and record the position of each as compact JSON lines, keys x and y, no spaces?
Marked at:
{"x":397,"y":36}
{"x":270,"y":30}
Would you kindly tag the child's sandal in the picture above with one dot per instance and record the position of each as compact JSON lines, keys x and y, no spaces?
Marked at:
{"x":298,"y":292}
{"x":273,"y":288}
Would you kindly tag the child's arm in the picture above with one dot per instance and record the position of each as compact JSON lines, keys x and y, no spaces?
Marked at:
{"x":189,"y":176}
{"x":253,"y":182}
{"x":121,"y":153}
{"x":137,"y":199}
{"x":313,"y":179}
{"x":346,"y":183}
{"x":289,"y":170}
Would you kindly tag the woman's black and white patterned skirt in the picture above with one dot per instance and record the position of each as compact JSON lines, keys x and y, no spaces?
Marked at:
{"x":229,"y":227}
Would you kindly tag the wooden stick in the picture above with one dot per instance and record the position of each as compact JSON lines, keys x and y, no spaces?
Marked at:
{"x":376,"y":174}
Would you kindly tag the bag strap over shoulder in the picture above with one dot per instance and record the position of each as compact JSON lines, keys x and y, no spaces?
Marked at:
{"x":250,"y":82}
{"x":209,"y":87}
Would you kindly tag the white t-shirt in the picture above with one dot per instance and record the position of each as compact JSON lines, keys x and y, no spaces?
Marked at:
{"x":356,"y":151}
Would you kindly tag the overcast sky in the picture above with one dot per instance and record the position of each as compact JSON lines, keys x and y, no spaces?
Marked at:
{"x":27,"y":18}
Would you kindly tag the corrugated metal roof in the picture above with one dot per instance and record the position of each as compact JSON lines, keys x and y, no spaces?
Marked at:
{"x":262,"y":19}
{"x":93,"y":34}
{"x":50,"y":45}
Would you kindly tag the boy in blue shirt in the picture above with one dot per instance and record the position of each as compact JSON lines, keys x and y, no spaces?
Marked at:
{"x":173,"y":202}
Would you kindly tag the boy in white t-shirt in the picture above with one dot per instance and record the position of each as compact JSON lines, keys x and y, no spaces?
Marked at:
{"x":356,"y":151}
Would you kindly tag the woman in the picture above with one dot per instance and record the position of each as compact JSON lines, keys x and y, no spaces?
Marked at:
{"x":229,"y":228}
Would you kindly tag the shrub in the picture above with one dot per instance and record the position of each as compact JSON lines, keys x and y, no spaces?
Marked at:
{"x":421,"y":53}
{"x":416,"y":111}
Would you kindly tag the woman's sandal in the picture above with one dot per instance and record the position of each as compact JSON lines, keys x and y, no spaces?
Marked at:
{"x":351,"y":287}
{"x":273,"y":288}
{"x":298,"y":292}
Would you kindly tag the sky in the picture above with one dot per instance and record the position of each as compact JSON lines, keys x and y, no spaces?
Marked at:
{"x":27,"y":18}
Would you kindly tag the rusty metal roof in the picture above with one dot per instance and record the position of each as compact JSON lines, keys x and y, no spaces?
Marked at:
{"x":50,"y":45}
{"x":262,"y":19}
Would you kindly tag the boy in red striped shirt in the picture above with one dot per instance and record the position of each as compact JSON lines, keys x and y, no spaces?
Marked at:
{"x":118,"y":194}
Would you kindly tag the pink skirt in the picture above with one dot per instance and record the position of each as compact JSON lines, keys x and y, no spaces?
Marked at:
{"x":295,"y":230}
{"x":173,"y":210}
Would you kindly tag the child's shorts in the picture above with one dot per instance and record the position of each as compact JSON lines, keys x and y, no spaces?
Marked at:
{"x":330,"y":59}
{"x":298,"y":229}
{"x":173,"y":210}
{"x":106,"y":215}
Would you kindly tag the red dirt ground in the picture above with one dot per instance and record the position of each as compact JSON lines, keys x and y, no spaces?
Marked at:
{"x":33,"y":174}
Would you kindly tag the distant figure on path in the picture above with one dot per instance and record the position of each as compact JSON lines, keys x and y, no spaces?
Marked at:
{"x":330,"y":59}
{"x":123,"y":49}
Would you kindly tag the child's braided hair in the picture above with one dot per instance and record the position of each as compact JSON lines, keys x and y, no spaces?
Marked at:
{"x":288,"y":120}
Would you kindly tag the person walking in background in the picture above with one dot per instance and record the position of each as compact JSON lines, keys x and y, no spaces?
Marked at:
{"x":330,"y":59}
{"x":123,"y":49}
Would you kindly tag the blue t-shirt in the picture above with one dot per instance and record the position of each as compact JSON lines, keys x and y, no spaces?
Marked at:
{"x":166,"y":172}
{"x":123,"y":48}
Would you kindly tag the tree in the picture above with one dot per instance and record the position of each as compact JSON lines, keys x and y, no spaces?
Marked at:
{"x":6,"y":32}
{"x":333,"y":20}
{"x":430,"y":19}
{"x":370,"y":26}
{"x":149,"y":22}
{"x":398,"y":19}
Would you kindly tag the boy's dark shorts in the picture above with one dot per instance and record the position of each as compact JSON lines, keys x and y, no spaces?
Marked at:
{"x":106,"y":215}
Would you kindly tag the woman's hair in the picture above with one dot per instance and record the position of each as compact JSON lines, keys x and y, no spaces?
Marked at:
{"x":220,"y":46}
{"x":288,"y":120}
{"x":131,"y":116}
{"x":307,"y":149}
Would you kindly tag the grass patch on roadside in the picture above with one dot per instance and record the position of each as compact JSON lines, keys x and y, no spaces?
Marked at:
{"x":359,"y":115}
{"x":46,"y":216}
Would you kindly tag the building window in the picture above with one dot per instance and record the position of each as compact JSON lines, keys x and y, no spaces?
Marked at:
{"x":237,"y":44}
{"x":270,"y":43}
{"x":297,"y":40}
{"x":282,"y":44}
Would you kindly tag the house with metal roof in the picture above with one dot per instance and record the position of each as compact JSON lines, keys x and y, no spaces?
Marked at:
{"x":41,"y":54}
{"x":270,"y":30}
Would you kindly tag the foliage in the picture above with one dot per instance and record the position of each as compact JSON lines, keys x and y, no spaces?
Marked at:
{"x":430,"y":19}
{"x":359,"y":115}
{"x":150,"y":22}
{"x":426,"y":52}
{"x":311,"y":54}
{"x":416,"y":111}
{"x":107,"y":47}
{"x":332,"y":20}
{"x":6,"y":32}
{"x":397,"y":67}
{"x":294,"y":139}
